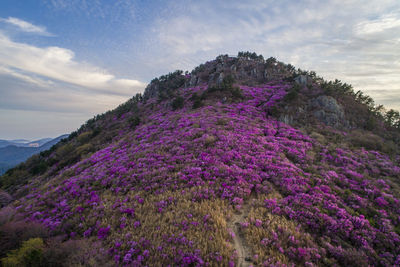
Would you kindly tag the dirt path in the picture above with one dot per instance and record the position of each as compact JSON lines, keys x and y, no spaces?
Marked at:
{"x":243,"y":251}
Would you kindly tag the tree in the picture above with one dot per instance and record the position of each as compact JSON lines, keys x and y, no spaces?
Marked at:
{"x":392,"y":118}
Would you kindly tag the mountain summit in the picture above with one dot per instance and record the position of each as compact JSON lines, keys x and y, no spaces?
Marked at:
{"x":244,"y":161}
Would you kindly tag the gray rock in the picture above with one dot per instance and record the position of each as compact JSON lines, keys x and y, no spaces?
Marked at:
{"x":220,"y":78}
{"x":328,"y":111}
{"x":193,"y":80}
{"x":328,"y":104}
{"x":288,"y":119}
{"x":266,"y":74}
{"x":211,"y":78}
{"x":151,"y":91}
{"x":303,"y":80}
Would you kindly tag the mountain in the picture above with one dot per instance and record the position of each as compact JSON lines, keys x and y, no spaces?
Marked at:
{"x":40,"y":142}
{"x":243,"y":161}
{"x":4,"y":167}
{"x":24,"y":143}
{"x":4,"y":143}
{"x":11,"y":155}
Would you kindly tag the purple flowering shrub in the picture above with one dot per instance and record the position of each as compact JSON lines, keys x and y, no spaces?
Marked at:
{"x":164,"y":192}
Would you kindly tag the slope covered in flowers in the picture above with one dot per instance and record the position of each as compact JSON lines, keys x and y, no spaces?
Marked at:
{"x":167,"y":188}
{"x":165,"y":192}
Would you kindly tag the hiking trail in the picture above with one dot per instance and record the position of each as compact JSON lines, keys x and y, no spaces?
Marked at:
{"x":239,"y":242}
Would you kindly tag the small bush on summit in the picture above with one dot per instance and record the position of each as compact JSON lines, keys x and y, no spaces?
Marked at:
{"x":177,"y":103}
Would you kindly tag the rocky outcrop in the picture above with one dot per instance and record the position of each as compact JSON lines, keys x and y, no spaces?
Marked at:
{"x":323,"y":108}
{"x":303,"y":80}
{"x":286,"y":118}
{"x":193,"y":80}
{"x":243,"y":70}
{"x":151,"y":91}
{"x":328,"y":111}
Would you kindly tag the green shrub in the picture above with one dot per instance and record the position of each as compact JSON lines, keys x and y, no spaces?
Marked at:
{"x":14,"y":230}
{"x":84,"y":137}
{"x":372,"y":142}
{"x":134,"y":121}
{"x":64,"y":150}
{"x":293,"y":93}
{"x":39,"y":168}
{"x":236,"y":92}
{"x":196,"y":100}
{"x":370,"y":123}
{"x":197,"y":104}
{"x":177,"y":103}
{"x":14,"y":177}
{"x":29,"y":254}
{"x":84,"y":149}
{"x":250,"y":55}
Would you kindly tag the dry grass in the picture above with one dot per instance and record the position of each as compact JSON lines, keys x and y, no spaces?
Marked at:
{"x":182,"y":218}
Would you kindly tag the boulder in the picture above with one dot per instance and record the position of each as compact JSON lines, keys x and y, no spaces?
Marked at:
{"x":303,"y":80}
{"x":253,"y":72}
{"x":193,"y":80}
{"x":266,"y":74}
{"x":220,"y":78}
{"x":327,"y":110}
{"x":286,"y":118}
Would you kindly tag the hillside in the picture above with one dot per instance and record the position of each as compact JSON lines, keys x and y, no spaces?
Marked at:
{"x":13,"y":154}
{"x":242,"y":161}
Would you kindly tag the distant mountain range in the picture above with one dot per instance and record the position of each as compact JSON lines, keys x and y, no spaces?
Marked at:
{"x":24,"y":143}
{"x":13,"y":152}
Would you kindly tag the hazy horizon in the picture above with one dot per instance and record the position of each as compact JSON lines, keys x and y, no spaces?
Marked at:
{"x":62,"y":62}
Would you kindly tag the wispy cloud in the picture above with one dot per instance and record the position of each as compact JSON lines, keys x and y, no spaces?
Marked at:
{"x":59,"y":64}
{"x":59,"y":98}
{"x":25,"y":26}
{"x":381,"y":24}
{"x":110,"y":10}
{"x":26,"y":78}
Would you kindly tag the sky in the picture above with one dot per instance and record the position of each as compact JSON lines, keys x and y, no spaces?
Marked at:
{"x":64,"y":61}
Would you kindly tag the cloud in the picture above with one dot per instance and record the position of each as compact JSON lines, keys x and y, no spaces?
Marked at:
{"x":26,"y":78}
{"x":21,"y":94}
{"x":25,"y":26}
{"x":59,"y":64}
{"x":381,"y":24}
{"x":111,"y":10}
{"x":48,"y":90}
